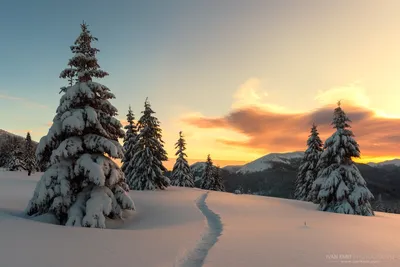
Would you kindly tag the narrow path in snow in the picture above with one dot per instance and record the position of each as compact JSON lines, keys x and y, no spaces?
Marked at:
{"x":196,"y":257}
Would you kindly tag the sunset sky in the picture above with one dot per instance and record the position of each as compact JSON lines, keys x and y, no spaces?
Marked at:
{"x":240,"y":78}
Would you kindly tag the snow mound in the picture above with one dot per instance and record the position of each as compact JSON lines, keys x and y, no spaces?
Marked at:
{"x":267,"y":162}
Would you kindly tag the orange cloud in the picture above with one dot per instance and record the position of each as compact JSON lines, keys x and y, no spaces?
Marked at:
{"x":269,"y":131}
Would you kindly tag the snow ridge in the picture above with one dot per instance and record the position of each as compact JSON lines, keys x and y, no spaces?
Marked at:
{"x":267,"y":162}
{"x":197,"y":256}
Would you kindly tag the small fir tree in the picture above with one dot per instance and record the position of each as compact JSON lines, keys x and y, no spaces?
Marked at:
{"x":308,"y":169}
{"x":340,"y":186}
{"x":149,"y":154}
{"x":217,"y":184}
{"x":208,"y":174}
{"x":83,"y":185}
{"x":379,"y":205}
{"x":14,"y":154}
{"x":181,"y":173}
{"x":30,"y":160}
{"x":129,"y":144}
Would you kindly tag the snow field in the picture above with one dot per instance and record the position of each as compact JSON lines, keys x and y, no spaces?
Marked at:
{"x":181,"y":227}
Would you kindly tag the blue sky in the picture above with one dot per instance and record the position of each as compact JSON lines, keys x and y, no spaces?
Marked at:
{"x":203,"y":58}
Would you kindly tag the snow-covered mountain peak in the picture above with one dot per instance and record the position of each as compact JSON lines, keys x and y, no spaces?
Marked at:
{"x":266,"y":162}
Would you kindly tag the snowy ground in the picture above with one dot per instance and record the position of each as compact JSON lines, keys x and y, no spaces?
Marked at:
{"x":260,"y":231}
{"x":165,"y":228}
{"x":170,"y":229}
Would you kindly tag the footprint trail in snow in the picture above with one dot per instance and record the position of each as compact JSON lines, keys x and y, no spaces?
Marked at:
{"x":197,"y":256}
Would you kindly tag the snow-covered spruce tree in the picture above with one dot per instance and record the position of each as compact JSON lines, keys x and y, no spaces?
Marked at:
{"x":148,"y":169}
{"x":14,"y":154}
{"x":307,"y":171}
{"x":29,"y":157}
{"x":129,"y":144}
{"x":181,"y":173}
{"x":217,"y":184}
{"x":379,"y":205}
{"x":208,"y":174}
{"x":339,"y":183}
{"x":82,"y":185}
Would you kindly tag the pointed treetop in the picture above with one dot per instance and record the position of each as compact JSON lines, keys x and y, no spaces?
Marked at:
{"x":84,"y":25}
{"x":130,"y":116}
{"x":180,"y":134}
{"x":209,"y":160}
{"x":339,"y":103}
{"x":340,"y":118}
{"x":147,"y":103}
{"x":147,"y":107}
{"x":83,"y":65}
{"x":314,"y":127}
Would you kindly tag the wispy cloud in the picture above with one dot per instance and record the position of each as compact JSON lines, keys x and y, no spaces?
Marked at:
{"x":23,"y":100}
{"x":253,"y":93}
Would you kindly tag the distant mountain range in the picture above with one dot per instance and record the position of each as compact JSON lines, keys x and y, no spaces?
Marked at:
{"x":274,"y":175}
{"x":393,"y":162}
{"x":274,"y":160}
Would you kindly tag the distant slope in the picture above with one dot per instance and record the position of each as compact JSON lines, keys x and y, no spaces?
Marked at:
{"x":270,"y":161}
{"x":4,"y":135}
{"x":232,"y":168}
{"x":198,"y":169}
{"x":395,"y":162}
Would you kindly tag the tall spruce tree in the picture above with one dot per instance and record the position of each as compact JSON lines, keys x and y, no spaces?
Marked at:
{"x":149,"y":150}
{"x":82,"y":185}
{"x":208,"y":174}
{"x":340,"y":186}
{"x":217,"y":184}
{"x":29,"y":157}
{"x":129,"y":144}
{"x":181,"y":173}
{"x":308,"y":168}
